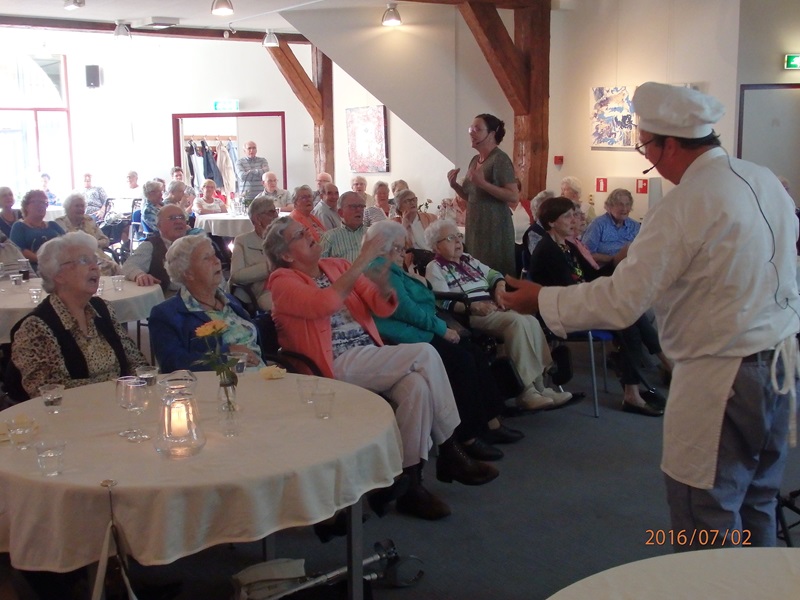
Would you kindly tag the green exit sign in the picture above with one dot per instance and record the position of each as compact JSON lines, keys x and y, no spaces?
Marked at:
{"x":792,"y":61}
{"x":226,"y":105}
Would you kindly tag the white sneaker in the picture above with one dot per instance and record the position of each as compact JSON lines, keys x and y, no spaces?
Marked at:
{"x":530,"y":399}
{"x":558,"y":398}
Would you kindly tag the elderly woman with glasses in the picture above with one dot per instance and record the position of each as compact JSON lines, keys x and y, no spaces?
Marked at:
{"x":192,"y":263}
{"x":32,"y":231}
{"x":454,"y":271}
{"x":414,"y":222}
{"x":72,"y":337}
{"x":249,"y":265}
{"x":76,"y":219}
{"x":415,"y":321}
{"x":323,"y":308}
{"x":609,"y":236}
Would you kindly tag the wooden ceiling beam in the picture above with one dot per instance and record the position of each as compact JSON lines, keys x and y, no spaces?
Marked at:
{"x":298,"y":80}
{"x":497,"y":3}
{"x":505,"y":60}
{"x":322,"y":74}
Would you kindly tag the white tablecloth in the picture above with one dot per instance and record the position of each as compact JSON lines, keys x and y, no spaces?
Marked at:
{"x":131,"y":304}
{"x":752,"y":573}
{"x":224,"y":225}
{"x":287,"y":469}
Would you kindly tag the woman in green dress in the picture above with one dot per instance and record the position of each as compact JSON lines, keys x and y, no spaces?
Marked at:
{"x":490,"y":189}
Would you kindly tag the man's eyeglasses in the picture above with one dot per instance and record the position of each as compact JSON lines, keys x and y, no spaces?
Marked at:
{"x":452,"y":238}
{"x":177,"y":217}
{"x":641,"y":148}
{"x":85,"y":261}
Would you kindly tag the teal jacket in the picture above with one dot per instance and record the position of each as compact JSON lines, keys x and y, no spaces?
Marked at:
{"x":415,"y":319}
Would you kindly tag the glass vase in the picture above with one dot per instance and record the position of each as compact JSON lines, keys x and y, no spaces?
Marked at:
{"x":229,"y":409}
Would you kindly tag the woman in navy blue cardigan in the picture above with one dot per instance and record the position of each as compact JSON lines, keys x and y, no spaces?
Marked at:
{"x":191,"y":261}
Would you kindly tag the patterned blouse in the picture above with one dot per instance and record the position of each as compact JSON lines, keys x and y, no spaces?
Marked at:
{"x":37,"y":354}
{"x":346,"y":332}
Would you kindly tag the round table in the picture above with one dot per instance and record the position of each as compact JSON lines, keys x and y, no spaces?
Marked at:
{"x":754,"y":573}
{"x":224,"y":224}
{"x":131,"y":304}
{"x":286,"y":469}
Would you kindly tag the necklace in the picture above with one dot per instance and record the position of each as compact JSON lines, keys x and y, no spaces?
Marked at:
{"x":206,"y":304}
{"x":481,"y":160}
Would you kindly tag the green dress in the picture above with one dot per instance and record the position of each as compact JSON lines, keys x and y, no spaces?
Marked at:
{"x":489,"y":229}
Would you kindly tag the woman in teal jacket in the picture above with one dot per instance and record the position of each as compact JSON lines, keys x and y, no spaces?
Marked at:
{"x":415,"y":320}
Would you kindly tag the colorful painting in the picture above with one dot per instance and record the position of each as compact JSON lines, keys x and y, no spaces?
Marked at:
{"x":612,"y":118}
{"x":366,"y":139}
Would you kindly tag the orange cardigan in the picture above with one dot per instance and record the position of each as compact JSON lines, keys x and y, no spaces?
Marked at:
{"x":312,"y":223}
{"x":302,"y":311}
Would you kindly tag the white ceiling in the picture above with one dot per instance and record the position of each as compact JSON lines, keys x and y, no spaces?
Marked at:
{"x":253,"y":15}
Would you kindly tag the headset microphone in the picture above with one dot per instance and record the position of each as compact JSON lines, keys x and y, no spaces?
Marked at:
{"x":655,"y":164}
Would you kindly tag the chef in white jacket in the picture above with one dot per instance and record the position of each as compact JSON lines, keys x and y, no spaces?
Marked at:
{"x":716,"y":260}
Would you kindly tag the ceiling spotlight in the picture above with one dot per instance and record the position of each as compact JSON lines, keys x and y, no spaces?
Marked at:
{"x":121,"y":30}
{"x":74,"y":4}
{"x":270,"y":40}
{"x":391,"y":18}
{"x":221,"y":8}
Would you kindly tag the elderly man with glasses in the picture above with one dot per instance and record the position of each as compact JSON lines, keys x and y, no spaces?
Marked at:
{"x":249,"y":169}
{"x":248,"y":264}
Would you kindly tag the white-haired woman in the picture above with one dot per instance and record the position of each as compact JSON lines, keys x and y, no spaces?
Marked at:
{"x":71,"y":337}
{"x":609,"y":235}
{"x":414,"y":222}
{"x":248,"y":264}
{"x":454,"y":271}
{"x":208,"y":203}
{"x":572,"y":188}
{"x":192,"y":263}
{"x":76,"y":219}
{"x":381,"y":210}
{"x":8,"y":214}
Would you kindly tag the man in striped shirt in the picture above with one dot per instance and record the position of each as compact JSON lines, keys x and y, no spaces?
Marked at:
{"x":249,"y":170}
{"x":345,"y":241}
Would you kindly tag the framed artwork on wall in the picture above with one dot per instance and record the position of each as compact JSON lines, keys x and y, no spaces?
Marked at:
{"x":367,"y":139}
{"x":612,"y":124}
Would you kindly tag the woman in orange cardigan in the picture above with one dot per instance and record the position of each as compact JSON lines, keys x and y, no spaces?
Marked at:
{"x":322,"y":308}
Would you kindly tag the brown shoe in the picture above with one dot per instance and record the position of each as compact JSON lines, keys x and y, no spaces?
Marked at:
{"x":454,"y":464}
{"x":419,"y":502}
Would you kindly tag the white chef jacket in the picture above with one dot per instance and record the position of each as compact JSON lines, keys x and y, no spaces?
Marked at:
{"x":702,"y":261}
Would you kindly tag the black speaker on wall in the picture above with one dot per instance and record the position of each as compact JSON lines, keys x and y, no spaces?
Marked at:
{"x":93,"y":76}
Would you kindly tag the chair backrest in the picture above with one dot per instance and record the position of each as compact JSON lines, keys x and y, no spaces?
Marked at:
{"x":271,"y":350}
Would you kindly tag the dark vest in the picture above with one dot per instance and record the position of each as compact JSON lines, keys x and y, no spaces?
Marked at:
{"x":157,"y":268}
{"x":73,"y":357}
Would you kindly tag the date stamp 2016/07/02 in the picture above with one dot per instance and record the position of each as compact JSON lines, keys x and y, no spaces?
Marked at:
{"x":699,"y":537}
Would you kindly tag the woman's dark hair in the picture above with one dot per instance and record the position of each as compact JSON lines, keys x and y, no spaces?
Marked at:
{"x":551,"y":209}
{"x":494,"y":124}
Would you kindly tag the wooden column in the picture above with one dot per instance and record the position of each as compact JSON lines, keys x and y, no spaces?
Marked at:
{"x":322,"y":73}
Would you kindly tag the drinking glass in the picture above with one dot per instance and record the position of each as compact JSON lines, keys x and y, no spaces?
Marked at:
{"x":150,"y":376}
{"x":241,"y":358}
{"x":118,"y":281}
{"x":52,"y":394}
{"x":306,"y":386}
{"x":21,"y":431}
{"x":50,"y":457}
{"x":322,"y":398}
{"x":136,"y":400}
{"x":36,"y":294}
{"x":122,"y":401}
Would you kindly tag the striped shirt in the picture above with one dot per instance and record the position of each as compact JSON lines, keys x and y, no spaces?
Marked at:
{"x":342,"y":242}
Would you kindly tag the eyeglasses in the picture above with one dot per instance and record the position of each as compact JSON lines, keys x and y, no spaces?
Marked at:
{"x":177,"y":217}
{"x":299,"y":235}
{"x":85,"y":261}
{"x":641,"y":148}
{"x":476,"y":129}
{"x":398,"y":248}
{"x":452,"y":238}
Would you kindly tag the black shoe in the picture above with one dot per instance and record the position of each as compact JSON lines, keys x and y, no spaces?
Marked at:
{"x":379,"y":499}
{"x":419,"y":502}
{"x":480,"y":450}
{"x":647,"y":410}
{"x":654,"y":399}
{"x":502,"y":435}
{"x":454,"y":464}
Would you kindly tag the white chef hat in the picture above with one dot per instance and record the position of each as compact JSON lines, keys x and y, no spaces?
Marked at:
{"x":676,"y":111}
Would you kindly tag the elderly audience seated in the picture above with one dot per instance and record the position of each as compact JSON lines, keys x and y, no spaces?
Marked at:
{"x":556,"y":261}
{"x":71,"y":337}
{"x":455,"y":271}
{"x":153,"y":201}
{"x":535,"y":232}
{"x":322,"y":308}
{"x":345,"y":240}
{"x":146,"y":265}
{"x":413,"y":221}
{"x":414,"y":321}
{"x":397,"y":186}
{"x":32,"y":231}
{"x":571,"y":188}
{"x":358,"y":184}
{"x":381,"y":209}
{"x":209,"y":203}
{"x":96,"y":198}
{"x":321,"y":180}
{"x":8,"y":214}
{"x":192,"y":264}
{"x":303,"y":206}
{"x":609,"y":236}
{"x":76,"y":219}
{"x":281,"y":198}
{"x":249,"y":265}
{"x":327,"y":210}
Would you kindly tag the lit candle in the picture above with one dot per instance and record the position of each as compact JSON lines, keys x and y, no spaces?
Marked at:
{"x":179,"y":427}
